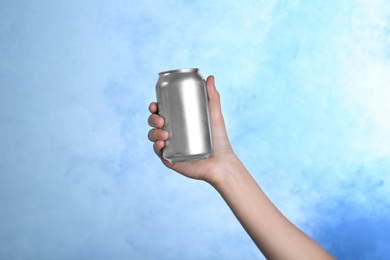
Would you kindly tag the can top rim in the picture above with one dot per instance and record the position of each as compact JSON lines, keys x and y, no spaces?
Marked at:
{"x":179,"y":71}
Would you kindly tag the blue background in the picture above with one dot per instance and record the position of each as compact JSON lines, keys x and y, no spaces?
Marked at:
{"x":305,"y":94}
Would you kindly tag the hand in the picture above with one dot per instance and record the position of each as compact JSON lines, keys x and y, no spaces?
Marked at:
{"x":209,"y":169}
{"x":273,"y":234}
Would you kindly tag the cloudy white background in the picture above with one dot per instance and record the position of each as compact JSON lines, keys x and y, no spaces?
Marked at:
{"x":305,"y":89}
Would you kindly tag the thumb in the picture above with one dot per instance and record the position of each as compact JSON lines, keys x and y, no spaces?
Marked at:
{"x":218,"y":128}
{"x":214,"y":102}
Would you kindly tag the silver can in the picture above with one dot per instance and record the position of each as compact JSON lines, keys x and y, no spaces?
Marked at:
{"x":182,"y":102}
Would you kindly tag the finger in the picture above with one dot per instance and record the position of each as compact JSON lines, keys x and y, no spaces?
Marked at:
{"x":157,"y":147}
{"x":156,"y":121}
{"x":210,"y":83}
{"x":157,"y":135}
{"x":153,"y":107}
{"x":214,"y":101}
{"x":218,"y":128}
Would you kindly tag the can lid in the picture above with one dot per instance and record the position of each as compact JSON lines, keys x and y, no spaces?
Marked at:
{"x":179,"y":71}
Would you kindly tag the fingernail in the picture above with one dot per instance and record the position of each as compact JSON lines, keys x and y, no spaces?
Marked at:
{"x":160,"y":134}
{"x":155,"y":120}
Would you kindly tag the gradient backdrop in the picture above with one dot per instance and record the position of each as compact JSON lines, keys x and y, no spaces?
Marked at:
{"x":305,"y":89}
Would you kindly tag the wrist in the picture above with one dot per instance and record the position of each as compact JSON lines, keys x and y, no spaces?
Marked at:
{"x":226,"y":172}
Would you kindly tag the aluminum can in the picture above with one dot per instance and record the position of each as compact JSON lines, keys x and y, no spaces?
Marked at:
{"x":183,"y":103}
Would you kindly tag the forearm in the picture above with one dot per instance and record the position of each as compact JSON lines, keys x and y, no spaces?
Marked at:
{"x":273,"y":234}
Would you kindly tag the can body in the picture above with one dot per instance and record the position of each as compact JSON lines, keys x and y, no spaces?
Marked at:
{"x":182,"y":102}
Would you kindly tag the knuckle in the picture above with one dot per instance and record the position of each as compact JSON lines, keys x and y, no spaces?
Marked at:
{"x":157,"y":134}
{"x":151,"y":134}
{"x":150,"y":120}
{"x":153,"y":120}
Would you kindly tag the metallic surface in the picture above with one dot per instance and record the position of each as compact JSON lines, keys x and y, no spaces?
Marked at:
{"x":182,"y":102}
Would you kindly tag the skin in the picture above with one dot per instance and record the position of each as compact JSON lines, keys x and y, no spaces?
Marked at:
{"x":270,"y":230}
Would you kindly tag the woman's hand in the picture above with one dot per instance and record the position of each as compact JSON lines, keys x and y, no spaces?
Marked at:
{"x":210,"y":169}
{"x":273,"y":233}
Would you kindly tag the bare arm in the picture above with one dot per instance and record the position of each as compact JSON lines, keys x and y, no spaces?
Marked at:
{"x":274,"y":234}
